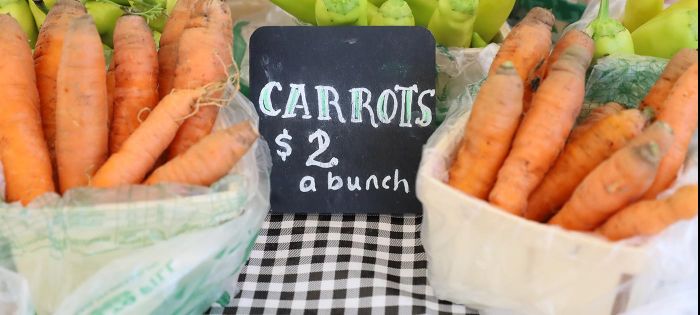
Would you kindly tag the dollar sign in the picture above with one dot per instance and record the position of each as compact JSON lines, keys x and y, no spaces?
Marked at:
{"x":280,"y":140}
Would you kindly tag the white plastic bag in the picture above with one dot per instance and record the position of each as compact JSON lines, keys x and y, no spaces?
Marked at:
{"x":497,"y":263}
{"x":166,"y":249}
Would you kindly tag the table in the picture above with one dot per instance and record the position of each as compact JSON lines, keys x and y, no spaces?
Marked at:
{"x":338,"y":264}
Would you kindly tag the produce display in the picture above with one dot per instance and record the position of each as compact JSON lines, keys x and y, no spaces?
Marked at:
{"x":611,"y":37}
{"x":531,"y":158}
{"x":70,"y":121}
{"x":31,"y":15}
{"x":454,"y":23}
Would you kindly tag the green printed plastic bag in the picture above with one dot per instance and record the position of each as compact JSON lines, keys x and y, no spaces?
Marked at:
{"x":167,"y":249}
{"x":622,"y":79}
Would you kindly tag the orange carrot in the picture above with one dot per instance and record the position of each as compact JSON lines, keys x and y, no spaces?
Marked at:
{"x":47,"y":56}
{"x":617,"y":182}
{"x":141,"y":150}
{"x":595,"y":116}
{"x":573,"y":37}
{"x":656,"y":97}
{"x":680,"y":110}
{"x":209,"y":159}
{"x":111,"y":86}
{"x":647,"y":218}
{"x":543,"y":132}
{"x":135,"y":77}
{"x":204,"y":56}
{"x":494,"y":120}
{"x":528,"y":46}
{"x":81,"y":106}
{"x":581,"y":156}
{"x":23,"y":149}
{"x":169,"y":44}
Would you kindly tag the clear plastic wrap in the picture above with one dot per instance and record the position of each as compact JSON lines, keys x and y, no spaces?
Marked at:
{"x":497,"y":263}
{"x":166,"y":249}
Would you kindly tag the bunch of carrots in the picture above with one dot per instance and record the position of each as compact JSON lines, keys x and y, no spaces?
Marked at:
{"x":69,"y":121}
{"x":523,"y":152}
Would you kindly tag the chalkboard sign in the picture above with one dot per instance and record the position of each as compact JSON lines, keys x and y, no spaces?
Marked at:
{"x":346,"y":112}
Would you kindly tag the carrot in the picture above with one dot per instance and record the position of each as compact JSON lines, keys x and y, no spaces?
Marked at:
{"x":494,"y":120}
{"x":581,"y":156}
{"x":141,"y":150}
{"x":651,"y":217}
{"x":209,"y":159}
{"x":47,"y":56}
{"x":81,"y":106}
{"x":617,"y":182}
{"x":543,"y":132}
{"x":23,"y":150}
{"x":169,"y":44}
{"x":111,"y":86}
{"x":135,"y":77}
{"x":595,"y":116}
{"x":656,"y":97}
{"x":680,"y":110}
{"x":204,"y":56}
{"x":528,"y":46}
{"x":571,"y":38}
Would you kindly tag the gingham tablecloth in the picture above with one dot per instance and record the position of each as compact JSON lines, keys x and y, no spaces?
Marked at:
{"x":338,"y":264}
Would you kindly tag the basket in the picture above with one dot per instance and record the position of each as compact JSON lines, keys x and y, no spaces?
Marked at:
{"x":167,"y":249}
{"x":497,"y":263}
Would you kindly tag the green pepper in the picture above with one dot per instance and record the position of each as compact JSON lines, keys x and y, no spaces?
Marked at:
{"x":377,"y":3}
{"x":681,"y":5}
{"x":492,"y":15}
{"x":452,"y":23}
{"x":422,"y":10}
{"x":667,"y":33}
{"x":638,"y":12}
{"x":610,"y":36}
{"x":394,"y":13}
{"x":19,"y":9}
{"x":372,"y":11}
{"x":105,"y":14}
{"x":301,"y":9}
{"x":341,"y":12}
{"x":477,"y":41}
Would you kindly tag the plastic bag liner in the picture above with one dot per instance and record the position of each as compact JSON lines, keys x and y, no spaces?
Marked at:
{"x":166,"y":249}
{"x":498,"y":263}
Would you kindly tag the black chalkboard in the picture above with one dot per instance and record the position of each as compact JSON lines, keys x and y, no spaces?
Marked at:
{"x":316,"y":148}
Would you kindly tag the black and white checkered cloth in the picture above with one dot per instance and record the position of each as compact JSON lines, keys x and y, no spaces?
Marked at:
{"x":338,"y":264}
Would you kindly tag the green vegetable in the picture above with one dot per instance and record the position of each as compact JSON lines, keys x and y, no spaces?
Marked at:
{"x":477,"y":41}
{"x":667,"y":33}
{"x":394,"y":13}
{"x":492,"y":15}
{"x":638,"y":12}
{"x":301,"y":9}
{"x":610,"y":36}
{"x":341,"y":12}
{"x":681,"y":5}
{"x":372,"y":11}
{"x":422,"y":10}
{"x":452,"y":23}
{"x":377,"y":3}
{"x":170,"y":5}
{"x":105,"y":13}
{"x":39,"y":10}
{"x":19,"y":9}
